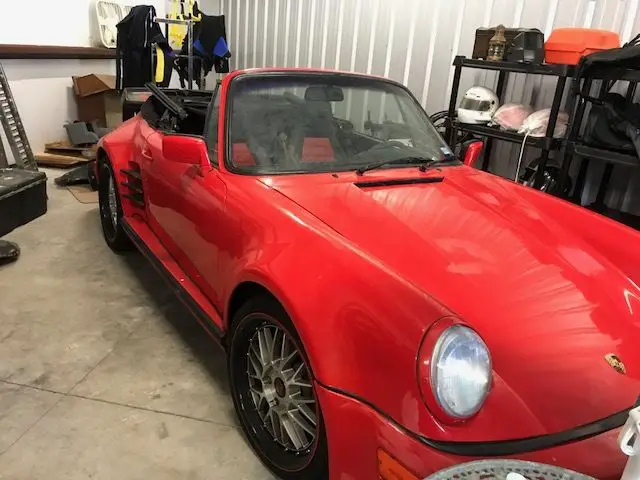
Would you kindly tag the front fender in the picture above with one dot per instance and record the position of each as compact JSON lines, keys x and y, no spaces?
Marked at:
{"x":360,"y":323}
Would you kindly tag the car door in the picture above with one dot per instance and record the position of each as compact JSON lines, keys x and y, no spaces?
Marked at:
{"x":164,"y":196}
{"x":205,"y":215}
{"x":147,"y":147}
{"x":186,"y":202}
{"x":140,"y":144}
{"x":141,"y":153}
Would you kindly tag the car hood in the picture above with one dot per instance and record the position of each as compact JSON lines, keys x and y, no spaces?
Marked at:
{"x":548,"y":304}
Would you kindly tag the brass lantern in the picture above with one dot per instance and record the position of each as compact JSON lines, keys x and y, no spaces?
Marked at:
{"x":497,"y":45}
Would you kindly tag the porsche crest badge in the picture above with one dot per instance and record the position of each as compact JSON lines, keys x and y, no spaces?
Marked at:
{"x":615,"y":363}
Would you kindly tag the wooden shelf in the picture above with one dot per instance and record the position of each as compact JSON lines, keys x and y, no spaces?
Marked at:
{"x":48,"y":52}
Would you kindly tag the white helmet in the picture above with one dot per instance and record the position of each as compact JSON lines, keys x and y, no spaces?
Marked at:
{"x":478,"y":106}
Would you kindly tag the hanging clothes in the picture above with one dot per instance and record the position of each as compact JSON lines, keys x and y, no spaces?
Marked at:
{"x":137,"y":33}
{"x":211,"y":43}
{"x":210,"y":49}
{"x":181,"y":10}
{"x":164,"y":61}
{"x":176,"y":32}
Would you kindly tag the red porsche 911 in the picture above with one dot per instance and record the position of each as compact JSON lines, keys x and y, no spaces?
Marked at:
{"x":387,"y":311}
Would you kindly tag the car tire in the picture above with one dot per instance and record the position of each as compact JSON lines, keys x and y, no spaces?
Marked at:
{"x":111,"y":210}
{"x":278,"y":410}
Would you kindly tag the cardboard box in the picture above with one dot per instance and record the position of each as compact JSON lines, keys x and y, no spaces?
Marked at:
{"x":98,"y":100}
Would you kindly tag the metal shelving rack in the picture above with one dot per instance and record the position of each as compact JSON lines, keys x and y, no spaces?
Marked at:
{"x":575,"y":148}
{"x":571,"y":146}
{"x":547,"y":143}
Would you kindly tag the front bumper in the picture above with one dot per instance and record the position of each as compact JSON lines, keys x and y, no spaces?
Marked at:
{"x":356,"y":432}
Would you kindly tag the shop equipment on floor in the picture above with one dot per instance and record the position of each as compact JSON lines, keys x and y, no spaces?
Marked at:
{"x":23,"y":189}
{"x":16,"y":136}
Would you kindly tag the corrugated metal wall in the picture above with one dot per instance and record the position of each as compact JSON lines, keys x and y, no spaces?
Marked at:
{"x":414,"y":42}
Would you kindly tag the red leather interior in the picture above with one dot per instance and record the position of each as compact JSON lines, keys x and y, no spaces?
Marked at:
{"x":317,"y":150}
{"x":313,"y":150}
{"x":242,"y":156}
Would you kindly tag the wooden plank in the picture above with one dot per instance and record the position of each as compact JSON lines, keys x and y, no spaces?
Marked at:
{"x":12,"y":51}
{"x":62,"y":145}
{"x":61,"y":161}
{"x":83,"y":193}
{"x":65,"y":148}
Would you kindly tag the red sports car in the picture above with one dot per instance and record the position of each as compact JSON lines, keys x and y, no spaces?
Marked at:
{"x":387,"y":311}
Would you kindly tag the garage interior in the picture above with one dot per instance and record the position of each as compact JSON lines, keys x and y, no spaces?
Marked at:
{"x":103,"y":371}
{"x":104,"y":379}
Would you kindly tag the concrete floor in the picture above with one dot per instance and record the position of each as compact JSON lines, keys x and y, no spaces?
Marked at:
{"x":103,"y":374}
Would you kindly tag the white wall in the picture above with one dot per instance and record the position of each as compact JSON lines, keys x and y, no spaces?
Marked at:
{"x":44,"y":95}
{"x":414,"y":42}
{"x":211,"y":7}
{"x":51,"y":22}
{"x":43,"y":88}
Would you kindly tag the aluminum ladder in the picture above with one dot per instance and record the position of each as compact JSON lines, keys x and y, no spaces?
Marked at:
{"x":14,"y":130}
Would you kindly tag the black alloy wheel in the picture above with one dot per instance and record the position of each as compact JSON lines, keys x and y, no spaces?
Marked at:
{"x":111,"y":210}
{"x":273,"y":392}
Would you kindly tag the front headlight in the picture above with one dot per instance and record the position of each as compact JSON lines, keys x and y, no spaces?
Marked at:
{"x":460,"y":371}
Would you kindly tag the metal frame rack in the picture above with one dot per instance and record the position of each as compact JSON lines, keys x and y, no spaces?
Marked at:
{"x":569,"y":147}
{"x":14,"y":130}
{"x":546,"y":143}
{"x":575,"y":148}
{"x":189,"y":23}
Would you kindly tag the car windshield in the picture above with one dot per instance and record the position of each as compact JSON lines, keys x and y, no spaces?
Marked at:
{"x":324,"y":123}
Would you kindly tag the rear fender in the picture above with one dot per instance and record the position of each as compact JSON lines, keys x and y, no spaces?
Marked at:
{"x":118,"y":145}
{"x":117,"y":149}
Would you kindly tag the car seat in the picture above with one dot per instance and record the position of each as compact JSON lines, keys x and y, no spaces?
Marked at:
{"x":240,"y":153}
{"x":242,"y":156}
{"x":314,"y":137}
{"x":318,"y":143}
{"x":247,"y":133}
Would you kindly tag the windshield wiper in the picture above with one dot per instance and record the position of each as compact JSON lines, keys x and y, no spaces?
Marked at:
{"x":438,"y":162}
{"x":425,"y":163}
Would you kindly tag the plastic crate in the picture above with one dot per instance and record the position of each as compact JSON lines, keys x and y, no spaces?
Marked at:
{"x":568,"y":45}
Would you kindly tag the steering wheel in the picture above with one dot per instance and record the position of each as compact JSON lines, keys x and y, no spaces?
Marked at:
{"x":399,"y":146}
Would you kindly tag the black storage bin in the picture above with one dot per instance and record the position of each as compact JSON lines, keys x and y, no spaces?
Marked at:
{"x":527,"y":47}
{"x":23,"y":197}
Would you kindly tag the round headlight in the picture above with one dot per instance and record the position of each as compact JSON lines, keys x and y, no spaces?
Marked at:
{"x":460,"y":371}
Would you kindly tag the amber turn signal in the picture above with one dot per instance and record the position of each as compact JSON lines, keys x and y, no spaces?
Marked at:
{"x":390,"y":469}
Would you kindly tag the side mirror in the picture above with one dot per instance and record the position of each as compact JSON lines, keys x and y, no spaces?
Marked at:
{"x":474,"y":150}
{"x":185,"y":149}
